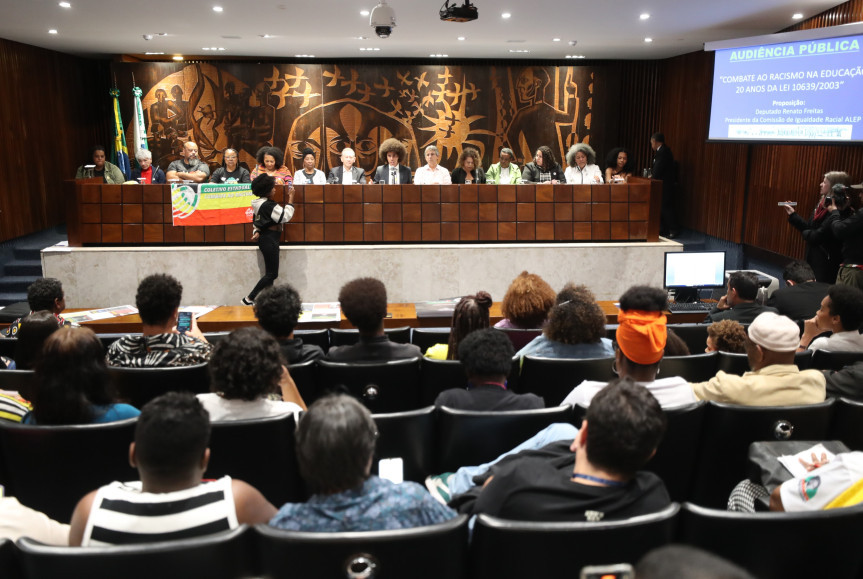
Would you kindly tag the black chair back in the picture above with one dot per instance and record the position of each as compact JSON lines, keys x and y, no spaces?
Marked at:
{"x":693,"y":368}
{"x":110,"y":338}
{"x":470,"y":438}
{"x":824,"y":360}
{"x":677,"y":454}
{"x":315,"y":337}
{"x":425,"y":338}
{"x":400,"y":335}
{"x":350,"y":336}
{"x":803,"y":360}
{"x":9,"y":560}
{"x":847,"y":424}
{"x":215,"y":337}
{"x":789,"y":538}
{"x":520,"y":338}
{"x":737,"y":364}
{"x":502,"y":548}
{"x":227,"y":555}
{"x":304,"y":377}
{"x":260,"y":452}
{"x":429,"y":552}
{"x":439,"y":375}
{"x":137,"y":386}
{"x":49,"y":468}
{"x":22,"y":381}
{"x":695,"y":335}
{"x":383,"y":387}
{"x":8,"y":345}
{"x":729,"y":430}
{"x":554,"y":378}
{"x":409,"y":436}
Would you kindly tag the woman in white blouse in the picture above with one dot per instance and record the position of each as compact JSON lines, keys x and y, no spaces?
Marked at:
{"x":309,"y":175}
{"x":582,"y":169}
{"x":432,"y":173}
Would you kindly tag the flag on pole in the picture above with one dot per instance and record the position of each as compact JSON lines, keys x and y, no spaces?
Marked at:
{"x":120,"y":155}
{"x":139,"y":131}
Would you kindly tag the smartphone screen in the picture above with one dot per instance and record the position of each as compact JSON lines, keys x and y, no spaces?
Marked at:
{"x":184,"y":322}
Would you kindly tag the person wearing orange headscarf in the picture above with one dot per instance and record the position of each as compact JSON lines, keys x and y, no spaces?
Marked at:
{"x":640,"y":345}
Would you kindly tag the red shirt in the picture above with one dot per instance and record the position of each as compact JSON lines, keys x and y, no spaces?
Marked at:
{"x":148,"y":175}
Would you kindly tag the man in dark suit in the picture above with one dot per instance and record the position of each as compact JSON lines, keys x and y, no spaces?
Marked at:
{"x":337,"y":174}
{"x":739,"y":303}
{"x":663,"y":169}
{"x":392,"y":172}
{"x":802,"y":296}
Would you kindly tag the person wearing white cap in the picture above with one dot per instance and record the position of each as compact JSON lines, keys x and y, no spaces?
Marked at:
{"x":774,"y":380}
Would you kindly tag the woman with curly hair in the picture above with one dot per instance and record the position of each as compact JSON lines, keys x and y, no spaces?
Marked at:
{"x":543,"y":168}
{"x":526,"y":303}
{"x":471,"y":313}
{"x":247,"y":375}
{"x":575,"y":329}
{"x":618,"y":166}
{"x":469,"y":170}
{"x":726,"y":336}
{"x":72,"y":382}
{"x":271,"y":161}
{"x":582,"y":169}
{"x":393,"y":153}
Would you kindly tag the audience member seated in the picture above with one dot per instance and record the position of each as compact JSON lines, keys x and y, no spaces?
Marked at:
{"x":246,"y":368}
{"x":271,"y":161}
{"x":487,"y":359}
{"x":346,"y":173}
{"x":335,"y":445}
{"x":171,"y":455}
{"x":32,"y":333}
{"x":641,"y":340}
{"x":801,"y":297}
{"x":18,"y":521}
{"x":107,"y":171}
{"x":505,"y":172}
{"x":309,"y":175}
{"x":841,"y":312}
{"x":828,"y":484}
{"x":739,"y":301}
{"x":230,"y":171}
{"x":582,"y":169}
{"x":189,"y":168}
{"x":618,"y":167}
{"x":675,"y":345}
{"x":72,"y":382}
{"x":158,"y":303}
{"x":393,"y":153}
{"x":278,"y":308}
{"x":726,"y":336}
{"x":689,"y":562}
{"x":469,"y":168}
{"x":151,"y":174}
{"x":847,"y":382}
{"x":526,"y":303}
{"x":471,"y":313}
{"x":432,"y":173}
{"x":601,"y":481}
{"x":364,"y":303}
{"x":46,"y":293}
{"x":575,"y":329}
{"x":774,"y":380}
{"x":543,"y":169}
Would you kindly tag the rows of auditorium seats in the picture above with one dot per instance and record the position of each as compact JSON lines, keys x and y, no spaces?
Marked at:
{"x":702,"y":457}
{"x":769,"y":545}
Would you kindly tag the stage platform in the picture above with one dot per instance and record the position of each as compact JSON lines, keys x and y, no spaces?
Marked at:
{"x":221,"y":275}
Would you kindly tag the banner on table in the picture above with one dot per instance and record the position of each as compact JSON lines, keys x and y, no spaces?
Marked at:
{"x":211,"y":204}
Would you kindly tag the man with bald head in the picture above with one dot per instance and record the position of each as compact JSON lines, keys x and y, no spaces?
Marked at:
{"x":189,"y":168}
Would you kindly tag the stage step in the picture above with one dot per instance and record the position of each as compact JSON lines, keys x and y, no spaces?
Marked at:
{"x":17,"y":284}
{"x":24,"y":267}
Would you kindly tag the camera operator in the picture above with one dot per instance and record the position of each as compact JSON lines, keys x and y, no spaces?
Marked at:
{"x":846,"y":223}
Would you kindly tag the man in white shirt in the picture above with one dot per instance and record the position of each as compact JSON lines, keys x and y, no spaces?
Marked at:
{"x":432,"y":173}
{"x":841,"y":313}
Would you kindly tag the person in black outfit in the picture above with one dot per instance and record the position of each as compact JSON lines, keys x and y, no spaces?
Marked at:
{"x":600,"y":481}
{"x":268,"y":222}
{"x":393,"y":153}
{"x":543,"y":164}
{"x":469,"y":168}
{"x":487,"y":358}
{"x":802,"y":296}
{"x":738,"y":303}
{"x":823,"y":251}
{"x":663,"y":169}
{"x":278,"y":308}
{"x":848,"y":228}
{"x":364,"y":303}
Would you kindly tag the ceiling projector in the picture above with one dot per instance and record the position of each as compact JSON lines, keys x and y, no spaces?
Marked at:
{"x":454,"y":13}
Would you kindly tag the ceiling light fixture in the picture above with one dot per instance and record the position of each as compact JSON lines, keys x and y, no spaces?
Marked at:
{"x":177,"y":57}
{"x":797,"y":16}
{"x":217,"y":9}
{"x":505,"y":15}
{"x":364,"y":12}
{"x":555,"y":39}
{"x":518,"y":50}
{"x":153,"y":53}
{"x":461,"y":38}
{"x":574,"y":56}
{"x":439,"y":55}
{"x":304,"y":55}
{"x":52,"y":31}
{"x":644,"y":16}
{"x":65,"y":5}
{"x":648,"y":39}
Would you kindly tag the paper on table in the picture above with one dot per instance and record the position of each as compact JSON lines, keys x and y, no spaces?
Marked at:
{"x":198,"y":311}
{"x":792,"y":462}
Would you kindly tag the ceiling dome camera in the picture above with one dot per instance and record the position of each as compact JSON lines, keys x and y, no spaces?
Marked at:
{"x":383,"y":20}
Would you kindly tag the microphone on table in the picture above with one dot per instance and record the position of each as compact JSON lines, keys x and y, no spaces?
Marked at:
{"x":392,"y":176}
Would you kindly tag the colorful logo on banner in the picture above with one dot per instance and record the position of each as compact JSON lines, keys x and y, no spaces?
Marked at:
{"x":211,"y":204}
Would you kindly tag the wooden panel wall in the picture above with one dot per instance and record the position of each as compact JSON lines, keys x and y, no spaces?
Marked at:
{"x":53,"y":108}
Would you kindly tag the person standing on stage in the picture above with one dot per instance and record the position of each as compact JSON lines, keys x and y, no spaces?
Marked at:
{"x":663,"y":169}
{"x":268,"y":223}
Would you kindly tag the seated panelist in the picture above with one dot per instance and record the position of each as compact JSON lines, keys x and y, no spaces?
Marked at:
{"x":309,"y":175}
{"x":505,"y":172}
{"x":432,"y":173}
{"x":469,"y":170}
{"x":189,"y":167}
{"x":543,"y":168}
{"x":271,"y":161}
{"x":152,"y":175}
{"x":618,"y":167}
{"x":346,"y":173}
{"x":230,"y":171}
{"x":109,"y":172}
{"x":392,"y":152}
{"x":582,"y":169}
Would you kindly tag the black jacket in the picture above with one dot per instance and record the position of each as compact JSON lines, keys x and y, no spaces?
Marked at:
{"x":801,"y":301}
{"x":382,"y":175}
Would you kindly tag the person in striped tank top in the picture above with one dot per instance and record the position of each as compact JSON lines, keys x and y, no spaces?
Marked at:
{"x":170,"y":501}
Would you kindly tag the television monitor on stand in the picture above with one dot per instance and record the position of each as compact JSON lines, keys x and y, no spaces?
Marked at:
{"x":687,"y":272}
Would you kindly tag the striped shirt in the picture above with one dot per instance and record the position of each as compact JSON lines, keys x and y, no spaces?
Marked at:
{"x":158,"y":351}
{"x":13,"y":408}
{"x":123,"y":514}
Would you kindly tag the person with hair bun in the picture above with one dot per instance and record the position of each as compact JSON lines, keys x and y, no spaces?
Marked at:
{"x":393,"y":153}
{"x":470,"y":314}
{"x":309,"y":175}
{"x":271,"y":161}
